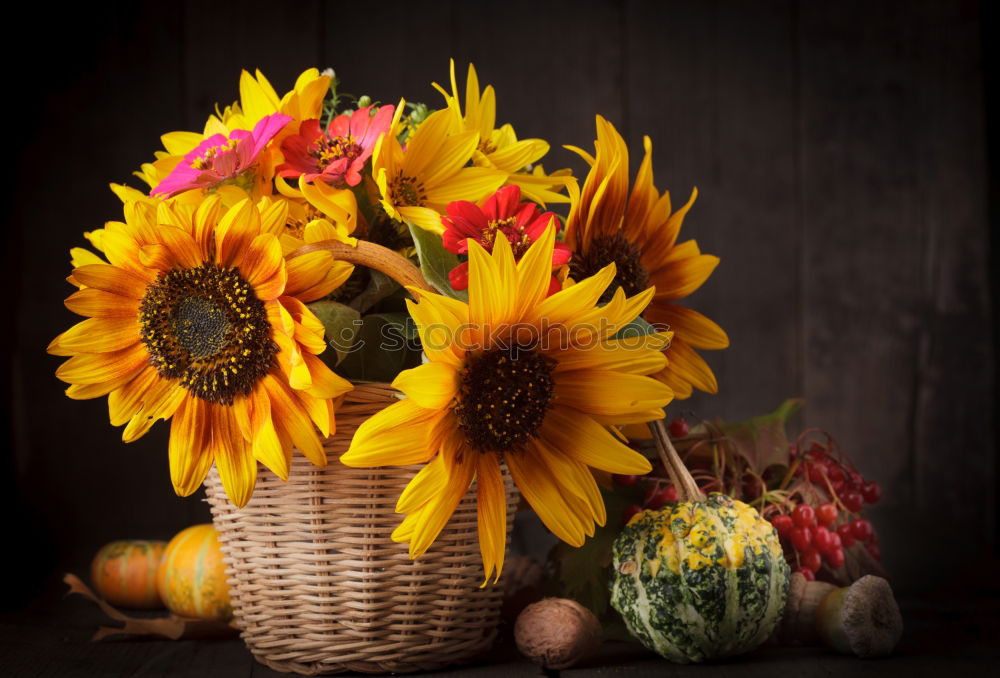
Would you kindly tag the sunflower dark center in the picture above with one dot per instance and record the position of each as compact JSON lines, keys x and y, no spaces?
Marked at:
{"x":206,"y":327}
{"x":503,"y":398}
{"x":201,"y":326}
{"x":616,"y":249}
{"x":406,"y":191}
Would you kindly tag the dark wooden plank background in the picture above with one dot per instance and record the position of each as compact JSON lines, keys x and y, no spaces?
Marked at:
{"x":839,"y":151}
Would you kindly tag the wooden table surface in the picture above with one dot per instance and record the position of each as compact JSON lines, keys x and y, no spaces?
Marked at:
{"x":51,"y":637}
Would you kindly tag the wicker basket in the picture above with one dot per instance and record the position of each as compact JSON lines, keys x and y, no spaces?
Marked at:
{"x":318,"y":586}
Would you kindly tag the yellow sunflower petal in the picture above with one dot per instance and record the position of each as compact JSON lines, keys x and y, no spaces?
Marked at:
{"x":320,"y":411}
{"x":88,"y":391}
{"x":470,"y":183}
{"x":237,"y":467}
{"x":492,"y":515}
{"x":427,"y":484}
{"x":205,"y":219}
{"x":100,"y":304}
{"x":189,"y":449}
{"x":325,"y":383}
{"x":79,"y":256}
{"x":610,"y":393}
{"x":534,"y":273}
{"x":239,"y":226}
{"x":96,"y":335}
{"x":423,"y":217}
{"x":267,"y":447}
{"x":694,"y":328}
{"x":452,"y":154}
{"x":576,"y":485}
{"x":439,"y":331}
{"x":432,"y":385}
{"x":185,"y":252}
{"x":262,"y":261}
{"x":306,"y":271}
{"x":124,"y":402}
{"x":438,"y":511}
{"x":159,"y":402}
{"x":290,"y":416}
{"x":94,"y":368}
{"x":111,"y":279}
{"x":122,"y":251}
{"x":679,"y":281}
{"x":542,"y":492}
{"x":580,"y":437}
{"x":339,"y":204}
{"x":691,"y":367}
{"x":257,"y":96}
{"x":682,"y":388}
{"x":564,"y":305}
{"x":423,"y":146}
{"x":631,"y":355}
{"x":395,"y":436}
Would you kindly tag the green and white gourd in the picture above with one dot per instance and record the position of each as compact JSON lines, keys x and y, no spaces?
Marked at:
{"x":700,"y":579}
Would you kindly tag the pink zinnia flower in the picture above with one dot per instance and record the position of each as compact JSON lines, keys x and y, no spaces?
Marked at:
{"x":338,"y":155}
{"x":219,"y":158}
{"x":501,"y":215}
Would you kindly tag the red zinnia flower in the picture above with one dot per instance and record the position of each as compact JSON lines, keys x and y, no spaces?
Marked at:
{"x":504,"y":215}
{"x":338,"y":155}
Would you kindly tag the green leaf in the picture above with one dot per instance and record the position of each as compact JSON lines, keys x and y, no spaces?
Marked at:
{"x":436,"y":262}
{"x":762,"y":440}
{"x":637,"y":328}
{"x":385,"y":346}
{"x":341,"y":323}
{"x":379,"y":287}
{"x":582,"y":573}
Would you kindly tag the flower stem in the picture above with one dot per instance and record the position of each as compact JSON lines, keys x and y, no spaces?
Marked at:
{"x":373,"y":256}
{"x":687,"y":488}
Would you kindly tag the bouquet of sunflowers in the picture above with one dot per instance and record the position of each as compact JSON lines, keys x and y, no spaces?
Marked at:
{"x":304,"y":243}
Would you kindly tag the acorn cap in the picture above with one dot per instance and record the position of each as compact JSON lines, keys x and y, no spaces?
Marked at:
{"x":862,"y":619}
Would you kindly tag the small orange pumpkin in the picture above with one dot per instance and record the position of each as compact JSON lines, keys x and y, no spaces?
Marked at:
{"x":124,"y":573}
{"x":192,"y":576}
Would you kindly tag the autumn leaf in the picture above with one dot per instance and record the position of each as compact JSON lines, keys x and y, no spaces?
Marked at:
{"x":762,"y":440}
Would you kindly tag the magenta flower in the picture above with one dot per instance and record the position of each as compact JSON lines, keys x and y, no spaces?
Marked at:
{"x":218,"y":159}
{"x":337,"y":156}
{"x":501,"y":215}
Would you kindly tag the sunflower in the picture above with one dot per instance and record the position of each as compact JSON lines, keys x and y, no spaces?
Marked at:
{"x":417,"y":184}
{"x":197,"y":315}
{"x":517,"y":377}
{"x":639,"y":233}
{"x":499,"y":148}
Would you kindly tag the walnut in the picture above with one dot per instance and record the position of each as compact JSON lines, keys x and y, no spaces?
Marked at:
{"x":556,"y":633}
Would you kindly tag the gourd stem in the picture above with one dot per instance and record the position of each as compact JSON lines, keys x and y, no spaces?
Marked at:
{"x":687,"y":488}
{"x":373,"y":256}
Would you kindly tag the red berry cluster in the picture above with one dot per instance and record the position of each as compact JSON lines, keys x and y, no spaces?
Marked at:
{"x":843,"y":484}
{"x":815,"y":538}
{"x":812,"y":535}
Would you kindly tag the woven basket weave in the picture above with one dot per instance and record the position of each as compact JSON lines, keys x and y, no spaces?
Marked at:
{"x":318,"y":586}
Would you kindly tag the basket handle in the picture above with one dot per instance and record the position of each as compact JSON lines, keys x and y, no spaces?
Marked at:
{"x":374,"y":256}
